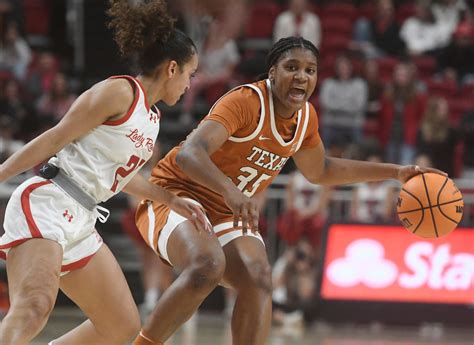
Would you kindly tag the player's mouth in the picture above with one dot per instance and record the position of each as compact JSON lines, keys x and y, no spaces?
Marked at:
{"x":297,"y":94}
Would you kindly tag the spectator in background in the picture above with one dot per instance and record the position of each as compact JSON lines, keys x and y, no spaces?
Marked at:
{"x":458,"y":57}
{"x":42,"y":74}
{"x":374,"y":88}
{"x":343,"y":100}
{"x":218,"y":59}
{"x":423,"y":161}
{"x":15,"y":54}
{"x":447,"y":13}
{"x":18,"y":110}
{"x":467,"y":131}
{"x":422,"y":34}
{"x":402,"y":106}
{"x":8,"y":144}
{"x":436,"y":138}
{"x":56,"y":102}
{"x":298,"y":21}
{"x":295,"y":276}
{"x":372,"y":202}
{"x":379,"y":36}
{"x":306,"y":207}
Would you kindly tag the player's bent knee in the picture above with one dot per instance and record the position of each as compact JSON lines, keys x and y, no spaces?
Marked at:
{"x":34,"y":308}
{"x":206,"y":270}
{"x":261,"y":275}
{"x":129,"y":330}
{"x":122,"y":327}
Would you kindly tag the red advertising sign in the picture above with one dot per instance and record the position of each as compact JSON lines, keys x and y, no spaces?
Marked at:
{"x":386,"y":263}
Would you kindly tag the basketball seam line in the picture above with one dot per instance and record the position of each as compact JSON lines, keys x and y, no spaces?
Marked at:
{"x":429,"y":207}
{"x":440,"y":210}
{"x":422,"y":213}
{"x":429,"y":203}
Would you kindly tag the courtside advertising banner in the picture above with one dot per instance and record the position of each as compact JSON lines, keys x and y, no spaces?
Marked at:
{"x":388,"y":264}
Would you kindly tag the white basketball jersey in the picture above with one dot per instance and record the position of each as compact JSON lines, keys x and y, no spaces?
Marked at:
{"x":103,"y":161}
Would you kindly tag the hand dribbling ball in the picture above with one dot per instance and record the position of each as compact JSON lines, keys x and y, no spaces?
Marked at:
{"x":430,"y":205}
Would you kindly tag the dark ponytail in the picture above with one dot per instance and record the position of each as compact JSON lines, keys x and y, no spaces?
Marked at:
{"x":146,"y":33}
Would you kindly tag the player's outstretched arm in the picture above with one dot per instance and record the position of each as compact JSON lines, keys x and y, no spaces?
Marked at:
{"x":319,"y":169}
{"x":143,"y":189}
{"x":194,"y":159}
{"x":90,"y":110}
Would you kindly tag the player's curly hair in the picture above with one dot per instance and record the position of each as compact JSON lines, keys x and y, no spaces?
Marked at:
{"x":146,"y":31}
{"x":285,"y":44}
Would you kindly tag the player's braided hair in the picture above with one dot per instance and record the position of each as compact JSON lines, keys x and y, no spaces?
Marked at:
{"x":146,"y":32}
{"x":285,"y":44}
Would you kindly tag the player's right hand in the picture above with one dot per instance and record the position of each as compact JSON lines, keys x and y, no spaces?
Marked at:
{"x":244,"y":209}
{"x":192,"y":212}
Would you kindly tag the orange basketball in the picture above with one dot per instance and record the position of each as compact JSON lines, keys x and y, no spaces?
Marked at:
{"x":430,"y":205}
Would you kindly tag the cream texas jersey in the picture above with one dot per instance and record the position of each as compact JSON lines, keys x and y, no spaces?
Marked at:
{"x":104,"y":160}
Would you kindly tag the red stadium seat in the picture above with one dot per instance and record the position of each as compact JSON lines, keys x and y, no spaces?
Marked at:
{"x":457,"y":107}
{"x":386,"y":67}
{"x":442,"y":88}
{"x":332,"y":25}
{"x":467,"y":91}
{"x":404,"y":11}
{"x":37,"y":17}
{"x":425,"y":65}
{"x":367,"y":10}
{"x":334,"y":43}
{"x":261,"y":19}
{"x":339,"y":9}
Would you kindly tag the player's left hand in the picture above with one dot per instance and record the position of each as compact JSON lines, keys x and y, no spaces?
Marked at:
{"x":191,"y":211}
{"x":406,"y":172}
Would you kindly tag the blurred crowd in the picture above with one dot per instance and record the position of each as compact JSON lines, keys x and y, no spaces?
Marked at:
{"x":396,"y":84}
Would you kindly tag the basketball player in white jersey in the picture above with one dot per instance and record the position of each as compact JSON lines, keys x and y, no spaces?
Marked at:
{"x":100,"y":144}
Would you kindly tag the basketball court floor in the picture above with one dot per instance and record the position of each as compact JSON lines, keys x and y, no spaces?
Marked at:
{"x":210,"y":329}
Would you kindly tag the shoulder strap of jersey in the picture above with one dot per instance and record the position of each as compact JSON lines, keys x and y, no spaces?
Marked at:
{"x":305,"y":125}
{"x":262,"y":112}
{"x":138,"y":84}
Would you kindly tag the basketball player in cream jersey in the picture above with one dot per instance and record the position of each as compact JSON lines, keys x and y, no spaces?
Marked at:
{"x":100,"y":144}
{"x":224,"y":165}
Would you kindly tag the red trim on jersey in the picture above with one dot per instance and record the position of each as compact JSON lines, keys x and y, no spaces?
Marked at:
{"x":25,"y":205}
{"x":134,"y":104}
{"x":158,"y":112}
{"x":11,"y":245}
{"x":147,"y":105}
{"x":77,"y":264}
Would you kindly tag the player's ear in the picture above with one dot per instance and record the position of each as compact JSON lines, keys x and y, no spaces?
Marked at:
{"x":271,"y":74}
{"x":171,"y":69}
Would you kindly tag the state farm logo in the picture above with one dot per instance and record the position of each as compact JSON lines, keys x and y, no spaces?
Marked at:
{"x":424,"y":265}
{"x":364,"y":263}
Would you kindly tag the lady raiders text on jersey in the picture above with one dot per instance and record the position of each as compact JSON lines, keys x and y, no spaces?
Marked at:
{"x":103,"y":161}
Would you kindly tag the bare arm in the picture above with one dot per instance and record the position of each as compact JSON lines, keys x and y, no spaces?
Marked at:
{"x":140,"y":187}
{"x":103,"y":101}
{"x":317,"y":168}
{"x":194,"y":159}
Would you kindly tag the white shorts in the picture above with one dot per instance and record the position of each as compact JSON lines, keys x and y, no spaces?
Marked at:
{"x":225,"y":232}
{"x":40,"y":209}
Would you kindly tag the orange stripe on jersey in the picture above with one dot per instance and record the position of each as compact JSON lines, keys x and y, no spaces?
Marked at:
{"x":26,"y":207}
